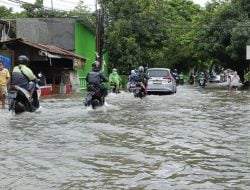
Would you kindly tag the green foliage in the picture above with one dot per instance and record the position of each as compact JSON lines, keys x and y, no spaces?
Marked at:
{"x":4,"y":12}
{"x":226,"y":35}
{"x":148,"y":32}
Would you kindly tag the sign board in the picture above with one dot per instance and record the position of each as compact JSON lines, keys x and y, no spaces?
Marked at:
{"x":248,"y":53}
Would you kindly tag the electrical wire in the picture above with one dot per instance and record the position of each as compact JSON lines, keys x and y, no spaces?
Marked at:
{"x":9,"y":3}
{"x":19,"y":3}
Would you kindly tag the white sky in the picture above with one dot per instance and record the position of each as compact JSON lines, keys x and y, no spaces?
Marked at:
{"x":57,"y":4}
{"x":66,"y":4}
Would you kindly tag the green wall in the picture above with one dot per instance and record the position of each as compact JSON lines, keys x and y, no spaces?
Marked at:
{"x":85,"y":46}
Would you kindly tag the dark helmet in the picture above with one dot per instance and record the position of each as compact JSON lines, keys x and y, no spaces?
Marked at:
{"x":141,"y":69}
{"x":96,"y":65}
{"x":22,"y":59}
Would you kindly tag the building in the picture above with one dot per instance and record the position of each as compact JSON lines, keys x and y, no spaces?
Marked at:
{"x":46,"y":36}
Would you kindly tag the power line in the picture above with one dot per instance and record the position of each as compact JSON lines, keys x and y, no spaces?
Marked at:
{"x":10,"y":4}
{"x":19,"y":3}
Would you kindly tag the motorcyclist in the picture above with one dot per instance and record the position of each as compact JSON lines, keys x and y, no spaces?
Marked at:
{"x":191,"y":78}
{"x":142,"y":78}
{"x":96,"y":78}
{"x":132,"y":76}
{"x":202,"y":80}
{"x":247,"y":78}
{"x":23,"y":76}
{"x":181,"y":78}
{"x":131,"y":80}
{"x":115,"y":78}
{"x":176,"y":76}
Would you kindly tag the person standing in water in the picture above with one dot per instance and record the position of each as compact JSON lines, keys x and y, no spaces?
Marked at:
{"x":4,"y":80}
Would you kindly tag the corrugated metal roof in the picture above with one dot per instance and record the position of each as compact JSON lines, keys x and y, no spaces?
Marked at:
{"x":48,"y":48}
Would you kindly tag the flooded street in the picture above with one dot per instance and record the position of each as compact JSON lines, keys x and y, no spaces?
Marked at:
{"x":195,"y":139}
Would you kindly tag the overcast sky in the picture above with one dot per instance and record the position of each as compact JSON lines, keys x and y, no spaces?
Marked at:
{"x":67,"y":4}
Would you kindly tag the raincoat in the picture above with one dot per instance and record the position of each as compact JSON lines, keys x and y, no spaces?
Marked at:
{"x":115,"y":77}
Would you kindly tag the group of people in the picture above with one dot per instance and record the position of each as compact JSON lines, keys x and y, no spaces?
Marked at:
{"x":97,"y":78}
{"x":138,"y":76}
{"x":21,"y":76}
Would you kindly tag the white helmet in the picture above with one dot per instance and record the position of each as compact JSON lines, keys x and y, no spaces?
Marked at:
{"x":141,"y":69}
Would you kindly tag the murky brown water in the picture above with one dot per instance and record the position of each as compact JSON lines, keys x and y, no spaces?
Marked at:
{"x":196,"y":139}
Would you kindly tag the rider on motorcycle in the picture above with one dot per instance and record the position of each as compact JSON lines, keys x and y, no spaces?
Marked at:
{"x":131,"y":79}
{"x":202,"y":79}
{"x":115,"y":78}
{"x":23,"y":76}
{"x":176,"y":76}
{"x":142,"y":78}
{"x":96,"y":78}
{"x":132,"y":76}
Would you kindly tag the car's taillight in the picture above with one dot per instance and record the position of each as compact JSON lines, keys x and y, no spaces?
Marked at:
{"x":169,"y":79}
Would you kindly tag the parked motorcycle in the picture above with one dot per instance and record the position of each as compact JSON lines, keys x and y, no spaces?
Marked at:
{"x":94,"y":97}
{"x":139,"y":90}
{"x":19,"y":99}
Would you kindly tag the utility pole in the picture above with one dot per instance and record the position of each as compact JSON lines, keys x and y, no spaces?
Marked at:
{"x":99,"y":33}
{"x":52,"y":6}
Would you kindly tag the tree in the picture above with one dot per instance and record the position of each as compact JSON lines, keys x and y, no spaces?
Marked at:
{"x":5,"y":12}
{"x":147,"y":32}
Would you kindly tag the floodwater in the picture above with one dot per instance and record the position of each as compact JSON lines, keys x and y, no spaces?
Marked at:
{"x":195,"y":139}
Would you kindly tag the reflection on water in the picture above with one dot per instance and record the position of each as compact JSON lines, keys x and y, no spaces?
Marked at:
{"x":195,"y":139}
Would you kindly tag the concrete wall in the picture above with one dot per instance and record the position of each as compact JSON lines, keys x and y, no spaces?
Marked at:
{"x":54,"y":31}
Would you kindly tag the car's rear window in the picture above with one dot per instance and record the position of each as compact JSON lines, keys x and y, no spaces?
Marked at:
{"x":158,"y":73}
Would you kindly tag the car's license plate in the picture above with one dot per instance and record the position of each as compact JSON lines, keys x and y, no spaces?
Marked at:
{"x":157,"y":82}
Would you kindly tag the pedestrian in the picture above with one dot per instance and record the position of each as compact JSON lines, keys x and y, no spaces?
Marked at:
{"x":4,"y":80}
{"x":234,"y":82}
{"x":247,"y":78}
{"x":41,"y":79}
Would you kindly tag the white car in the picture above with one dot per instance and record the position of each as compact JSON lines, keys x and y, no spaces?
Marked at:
{"x":160,"y":80}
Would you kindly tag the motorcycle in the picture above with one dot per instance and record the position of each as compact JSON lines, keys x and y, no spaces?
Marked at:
{"x":113,"y":87}
{"x":94,"y":97}
{"x":202,"y":82}
{"x":181,"y":80}
{"x":176,"y":77}
{"x":131,"y":86}
{"x":20,"y":100}
{"x":139,"y":90}
{"x":191,"y":79}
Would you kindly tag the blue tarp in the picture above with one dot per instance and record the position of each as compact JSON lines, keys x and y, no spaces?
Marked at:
{"x":6,"y":61}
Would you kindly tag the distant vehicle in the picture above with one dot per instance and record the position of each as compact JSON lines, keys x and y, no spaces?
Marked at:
{"x":160,"y":80}
{"x":214,"y":78}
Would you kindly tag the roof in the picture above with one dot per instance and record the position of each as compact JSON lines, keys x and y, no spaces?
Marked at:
{"x":49,"y":50}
